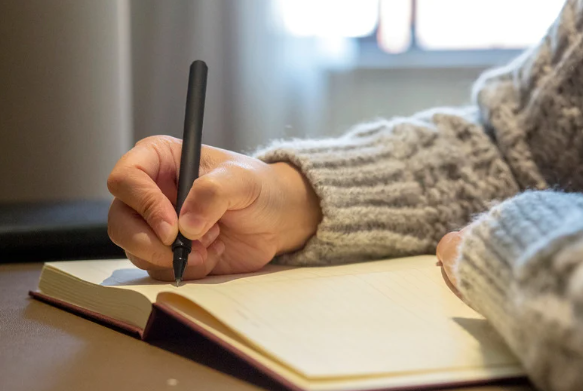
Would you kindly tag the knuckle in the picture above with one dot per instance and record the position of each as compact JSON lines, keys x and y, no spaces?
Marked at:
{"x":249,"y":180}
{"x":149,"y":206}
{"x":210,"y":187}
{"x":157,"y":141}
{"x":145,"y":140}
{"x":115,"y":181}
{"x":148,"y":140}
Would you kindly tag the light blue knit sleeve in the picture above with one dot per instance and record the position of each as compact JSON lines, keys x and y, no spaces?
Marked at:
{"x":521,"y":266}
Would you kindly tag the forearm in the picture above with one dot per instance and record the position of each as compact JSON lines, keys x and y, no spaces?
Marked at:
{"x":393,"y":188}
{"x":521,"y":266}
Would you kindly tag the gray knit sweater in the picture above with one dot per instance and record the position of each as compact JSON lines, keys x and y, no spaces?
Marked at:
{"x":394,"y":188}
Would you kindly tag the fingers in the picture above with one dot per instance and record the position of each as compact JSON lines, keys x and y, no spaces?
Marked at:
{"x":447,"y":247}
{"x":447,"y":254}
{"x":450,"y":284}
{"x":194,"y":272}
{"x":211,"y":235}
{"x":227,"y":187}
{"x":142,"y":177}
{"x":144,"y":249}
{"x":128,"y":230}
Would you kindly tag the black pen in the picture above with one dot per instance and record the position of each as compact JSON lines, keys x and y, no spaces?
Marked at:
{"x":190,"y":159}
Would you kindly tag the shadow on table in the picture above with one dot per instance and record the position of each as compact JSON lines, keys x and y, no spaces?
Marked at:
{"x":184,"y":342}
{"x":177,"y":339}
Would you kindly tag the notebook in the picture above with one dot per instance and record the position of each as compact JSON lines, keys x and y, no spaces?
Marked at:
{"x":389,"y":324}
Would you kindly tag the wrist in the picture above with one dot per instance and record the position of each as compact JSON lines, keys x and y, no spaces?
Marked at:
{"x":301,"y":212}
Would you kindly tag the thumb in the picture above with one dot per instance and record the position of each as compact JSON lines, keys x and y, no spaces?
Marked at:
{"x":227,"y":187}
{"x":447,"y":253}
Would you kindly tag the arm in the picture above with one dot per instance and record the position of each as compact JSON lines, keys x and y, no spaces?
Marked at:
{"x":521,"y":266}
{"x":393,"y":188}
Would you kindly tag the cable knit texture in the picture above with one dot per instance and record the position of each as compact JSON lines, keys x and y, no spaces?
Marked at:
{"x":394,"y":188}
{"x":521,"y":266}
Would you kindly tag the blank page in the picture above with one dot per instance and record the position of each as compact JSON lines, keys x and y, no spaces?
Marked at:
{"x":355,"y":320}
{"x":392,"y":316}
{"x":385,"y":381}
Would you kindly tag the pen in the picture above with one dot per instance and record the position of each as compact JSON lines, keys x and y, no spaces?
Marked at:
{"x":190,"y":159}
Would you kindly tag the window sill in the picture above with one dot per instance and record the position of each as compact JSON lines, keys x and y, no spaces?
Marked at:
{"x":371,"y":57}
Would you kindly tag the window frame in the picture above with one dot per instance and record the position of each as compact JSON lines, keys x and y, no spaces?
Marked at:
{"x":370,"y":55}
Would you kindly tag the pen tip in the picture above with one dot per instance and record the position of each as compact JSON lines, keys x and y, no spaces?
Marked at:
{"x":177,"y":282}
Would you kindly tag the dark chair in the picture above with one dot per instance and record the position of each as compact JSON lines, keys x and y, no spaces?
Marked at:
{"x":55,"y":231}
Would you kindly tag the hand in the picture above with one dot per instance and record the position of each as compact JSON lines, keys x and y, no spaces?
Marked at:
{"x":447,"y":254}
{"x":240,"y":213}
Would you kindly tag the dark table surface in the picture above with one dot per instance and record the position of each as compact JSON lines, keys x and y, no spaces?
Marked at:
{"x":44,"y":348}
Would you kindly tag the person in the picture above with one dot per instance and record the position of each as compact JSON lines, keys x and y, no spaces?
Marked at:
{"x":395,"y":188}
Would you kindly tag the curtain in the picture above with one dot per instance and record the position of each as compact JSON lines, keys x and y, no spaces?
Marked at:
{"x":263,"y":83}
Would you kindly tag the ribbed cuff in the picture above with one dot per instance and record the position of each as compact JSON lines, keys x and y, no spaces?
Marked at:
{"x":300,"y":153}
{"x":370,"y":209}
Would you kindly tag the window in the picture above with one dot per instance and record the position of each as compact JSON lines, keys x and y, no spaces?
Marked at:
{"x":424,"y":28}
{"x":330,"y":18}
{"x":464,"y":24}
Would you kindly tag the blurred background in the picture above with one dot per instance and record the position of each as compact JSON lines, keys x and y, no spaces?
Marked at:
{"x":82,"y":80}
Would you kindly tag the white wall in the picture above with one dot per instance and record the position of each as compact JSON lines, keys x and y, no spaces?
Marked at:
{"x":365,"y":94}
{"x":64,"y":117}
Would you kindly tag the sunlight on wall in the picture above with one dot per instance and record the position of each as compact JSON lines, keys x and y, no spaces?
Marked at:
{"x":483,"y":24}
{"x":330,"y":18}
{"x":438,"y":24}
{"x":394,"y":35}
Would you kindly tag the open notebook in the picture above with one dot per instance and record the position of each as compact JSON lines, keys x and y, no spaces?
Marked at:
{"x":378,"y":325}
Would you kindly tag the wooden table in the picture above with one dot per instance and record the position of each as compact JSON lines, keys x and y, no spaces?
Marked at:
{"x":44,"y":348}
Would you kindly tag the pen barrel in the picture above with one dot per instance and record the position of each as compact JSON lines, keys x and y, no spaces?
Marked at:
{"x":192,"y":138}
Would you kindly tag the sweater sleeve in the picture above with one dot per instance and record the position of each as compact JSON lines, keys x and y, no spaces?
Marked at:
{"x":532,"y":107}
{"x":394,"y":188}
{"x":521,"y":266}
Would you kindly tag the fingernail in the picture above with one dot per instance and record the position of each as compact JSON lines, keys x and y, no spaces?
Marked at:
{"x":165,"y":231}
{"x":192,"y":224}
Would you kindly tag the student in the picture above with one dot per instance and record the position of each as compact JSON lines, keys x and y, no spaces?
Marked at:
{"x":394,"y":188}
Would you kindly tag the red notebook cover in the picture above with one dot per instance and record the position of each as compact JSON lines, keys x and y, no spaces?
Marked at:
{"x":161,"y":325}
